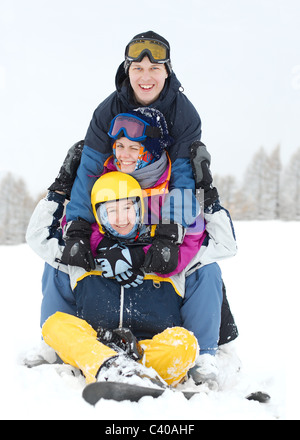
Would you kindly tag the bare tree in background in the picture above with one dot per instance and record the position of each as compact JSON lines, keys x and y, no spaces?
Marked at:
{"x":16,"y":206}
{"x":267,"y":192}
{"x":290,"y":189}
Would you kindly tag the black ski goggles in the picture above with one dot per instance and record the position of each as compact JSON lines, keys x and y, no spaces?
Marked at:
{"x":156,"y":51}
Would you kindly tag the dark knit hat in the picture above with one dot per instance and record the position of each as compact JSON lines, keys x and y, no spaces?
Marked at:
{"x":155,"y":145}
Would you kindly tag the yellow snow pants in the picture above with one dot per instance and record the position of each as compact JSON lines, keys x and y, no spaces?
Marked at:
{"x":170,"y":353}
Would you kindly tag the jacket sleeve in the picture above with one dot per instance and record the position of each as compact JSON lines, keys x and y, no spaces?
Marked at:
{"x":181,"y":205}
{"x":184,"y":124}
{"x":220,"y":242}
{"x":44,"y":234}
{"x":185,"y":128}
{"x":221,"y":237}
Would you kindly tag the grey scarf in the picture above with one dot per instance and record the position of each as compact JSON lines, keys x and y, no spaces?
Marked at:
{"x":149,"y":175}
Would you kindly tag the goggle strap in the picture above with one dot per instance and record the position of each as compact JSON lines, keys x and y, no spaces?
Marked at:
{"x":152,"y":132}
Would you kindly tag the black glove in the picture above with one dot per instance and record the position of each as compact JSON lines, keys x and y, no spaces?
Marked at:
{"x":121,"y":338}
{"x":77,"y":251}
{"x":162,"y":257}
{"x":67,"y":173}
{"x":200,"y":161}
{"x":118,"y":258}
{"x":130,"y":278}
{"x":170,"y":231}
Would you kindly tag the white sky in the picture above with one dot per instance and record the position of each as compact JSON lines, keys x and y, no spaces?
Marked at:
{"x":238,"y":60}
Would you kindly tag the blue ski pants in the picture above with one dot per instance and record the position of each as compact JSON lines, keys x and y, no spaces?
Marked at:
{"x":57,"y":294}
{"x":202,"y":304}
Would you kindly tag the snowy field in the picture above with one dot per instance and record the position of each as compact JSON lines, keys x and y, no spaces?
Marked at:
{"x":264,"y":297}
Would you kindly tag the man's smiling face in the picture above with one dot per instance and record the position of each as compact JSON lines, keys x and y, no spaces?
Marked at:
{"x":147,"y":80}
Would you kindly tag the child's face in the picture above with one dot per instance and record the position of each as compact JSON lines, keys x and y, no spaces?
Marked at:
{"x":121,"y":215}
{"x":127,"y":154}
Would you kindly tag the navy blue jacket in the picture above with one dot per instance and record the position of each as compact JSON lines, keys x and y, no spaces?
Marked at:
{"x":147,"y":310}
{"x":184,"y":125}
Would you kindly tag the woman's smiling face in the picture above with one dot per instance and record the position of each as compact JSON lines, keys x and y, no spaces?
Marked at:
{"x":127,"y":154}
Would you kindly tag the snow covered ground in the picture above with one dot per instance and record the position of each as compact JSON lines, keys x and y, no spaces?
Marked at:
{"x":264,"y":297}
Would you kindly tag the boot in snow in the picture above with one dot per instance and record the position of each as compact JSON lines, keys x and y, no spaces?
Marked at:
{"x":124,"y":369}
{"x":206,"y":369}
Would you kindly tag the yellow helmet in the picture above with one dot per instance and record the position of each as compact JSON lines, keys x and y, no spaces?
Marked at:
{"x":115,"y":186}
